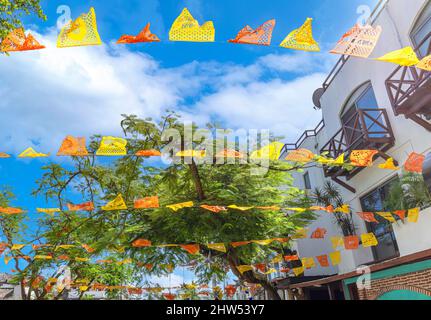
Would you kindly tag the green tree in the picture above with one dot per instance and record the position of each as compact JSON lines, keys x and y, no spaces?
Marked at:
{"x":12,"y":11}
{"x":110,"y":233}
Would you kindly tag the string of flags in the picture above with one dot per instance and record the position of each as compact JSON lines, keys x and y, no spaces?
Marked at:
{"x":359,"y":41}
{"x":115,"y":146}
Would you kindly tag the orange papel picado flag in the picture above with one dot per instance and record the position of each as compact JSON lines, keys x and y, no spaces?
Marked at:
{"x":369,"y":240}
{"x":261,"y":36}
{"x":215,"y":209}
{"x":140,"y":243}
{"x":239,"y":243}
{"x":323,"y":260}
{"x":187,"y":28}
{"x":362,"y":158}
{"x":191,"y":248}
{"x":86,"y":206}
{"x":81,"y":32}
{"x":301,"y":38}
{"x":179,"y":206}
{"x":18,"y":41}
{"x":300,"y":155}
{"x":351,"y":242}
{"x":112,"y":146}
{"x":148,"y":153}
{"x":116,"y":204}
{"x":144,"y":36}
{"x":31,"y":153}
{"x":367,"y":216}
{"x":319,"y":233}
{"x":72,"y":146}
{"x":10,"y":211}
{"x":414,"y":163}
{"x":147,"y":203}
{"x":227,"y":153}
{"x":404,"y":57}
{"x":335,"y":258}
{"x":425,"y":63}
{"x":359,"y":41}
{"x":4,"y":155}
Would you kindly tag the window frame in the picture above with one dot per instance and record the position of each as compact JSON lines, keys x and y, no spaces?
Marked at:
{"x":418,"y":26}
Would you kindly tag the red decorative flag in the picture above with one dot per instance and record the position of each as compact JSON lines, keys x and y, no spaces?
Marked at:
{"x":291,"y":258}
{"x":230,"y":290}
{"x":169,"y":296}
{"x":319,"y":233}
{"x":18,"y":41}
{"x":191,"y":248}
{"x":261,"y":267}
{"x":87,"y":206}
{"x":414,"y":163}
{"x":239,"y":243}
{"x":147,"y":203}
{"x":351,"y":242}
{"x":323,"y":260}
{"x":261,"y":36}
{"x":367,"y":216}
{"x":400,"y":213}
{"x":135,"y":291}
{"x":140,"y":243}
{"x":362,"y":158}
{"x":148,"y":153}
{"x":144,"y":36}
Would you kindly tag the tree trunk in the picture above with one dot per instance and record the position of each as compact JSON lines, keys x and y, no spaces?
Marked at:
{"x":197,"y":180}
{"x":250,"y":276}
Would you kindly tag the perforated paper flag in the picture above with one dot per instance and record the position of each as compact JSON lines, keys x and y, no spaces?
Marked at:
{"x":144,"y":36}
{"x":49,"y":211}
{"x":10,"y":211}
{"x":351,"y":242}
{"x":227,"y":153}
{"x":244,"y":268}
{"x":298,"y":271}
{"x":112,"y":146}
{"x":301,"y":38}
{"x":215,"y":209}
{"x":367,"y":216}
{"x":413,"y":215}
{"x":191,"y":153}
{"x":261,"y":36}
{"x":139,"y":243}
{"x":81,"y":32}
{"x":178,"y":206}
{"x":30,"y":153}
{"x":239,"y":243}
{"x":337,"y":242}
{"x":386,"y":215}
{"x":148,"y":153}
{"x":4,"y":155}
{"x":18,"y":41}
{"x":319,"y":233}
{"x":425,"y":63}
{"x":116,"y":204}
{"x":217,"y":246}
{"x":308,"y":263}
{"x":359,"y":41}
{"x":323,"y":260}
{"x":335,"y":258}
{"x":369,"y":240}
{"x":147,"y":203}
{"x":191,"y":248}
{"x":234,"y":206}
{"x":187,"y":28}
{"x":362,"y":158}
{"x":87,"y":206}
{"x":72,"y":146}
{"x":388,"y":165}
{"x":300,"y":155}
{"x":404,"y":57}
{"x":271,"y":152}
{"x":414,"y":163}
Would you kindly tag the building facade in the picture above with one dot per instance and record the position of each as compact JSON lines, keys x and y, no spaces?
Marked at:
{"x":368,"y":104}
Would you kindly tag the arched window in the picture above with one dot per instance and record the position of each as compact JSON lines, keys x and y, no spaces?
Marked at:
{"x":421,"y":29}
{"x":362,"y":98}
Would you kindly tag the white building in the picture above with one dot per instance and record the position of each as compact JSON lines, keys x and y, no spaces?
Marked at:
{"x":362,"y":108}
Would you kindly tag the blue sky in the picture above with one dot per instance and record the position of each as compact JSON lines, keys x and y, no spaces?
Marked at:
{"x":48,"y":94}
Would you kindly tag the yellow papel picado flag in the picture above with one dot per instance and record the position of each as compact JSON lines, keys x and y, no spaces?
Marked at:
{"x":187,"y":28}
{"x":301,"y":38}
{"x":112,"y":146}
{"x":116,"y":204}
{"x":81,"y":32}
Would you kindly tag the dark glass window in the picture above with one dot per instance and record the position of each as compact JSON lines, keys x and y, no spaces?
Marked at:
{"x":375,"y":202}
{"x":307,"y":182}
{"x":420,"y":31}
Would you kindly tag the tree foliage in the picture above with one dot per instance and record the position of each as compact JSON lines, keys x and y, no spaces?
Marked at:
{"x":12,"y":11}
{"x":110,"y":233}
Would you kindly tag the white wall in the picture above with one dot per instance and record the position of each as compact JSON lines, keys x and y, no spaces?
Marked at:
{"x":409,"y":137}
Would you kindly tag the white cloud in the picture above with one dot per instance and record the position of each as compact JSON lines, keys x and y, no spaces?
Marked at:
{"x":172,"y":280}
{"x":50,"y":93}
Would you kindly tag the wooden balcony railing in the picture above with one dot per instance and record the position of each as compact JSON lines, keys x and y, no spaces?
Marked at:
{"x":409,"y":89}
{"x":364,"y":130}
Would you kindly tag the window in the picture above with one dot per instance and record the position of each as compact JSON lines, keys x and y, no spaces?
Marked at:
{"x":307,"y":182}
{"x":375,"y":202}
{"x":421,"y":29}
{"x":362,"y":98}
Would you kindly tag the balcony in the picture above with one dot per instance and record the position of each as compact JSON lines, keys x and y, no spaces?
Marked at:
{"x":307,"y":134}
{"x":409,"y":90}
{"x":364,"y":130}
